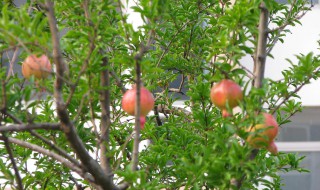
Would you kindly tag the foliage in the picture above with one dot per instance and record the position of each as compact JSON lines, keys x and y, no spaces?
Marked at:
{"x":196,"y":42}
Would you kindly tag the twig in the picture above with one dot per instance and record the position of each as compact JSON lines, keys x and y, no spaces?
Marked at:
{"x":297,"y":89}
{"x":12,"y":61}
{"x":80,"y":106}
{"x":118,"y":81}
{"x":156,"y":113}
{"x":56,"y":148}
{"x":124,"y":23}
{"x":166,"y":49}
{"x":13,"y":162}
{"x":282,"y":27}
{"x":124,"y":145}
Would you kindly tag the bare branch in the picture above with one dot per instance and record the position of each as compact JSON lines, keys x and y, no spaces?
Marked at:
{"x":27,"y":127}
{"x":105,"y":117}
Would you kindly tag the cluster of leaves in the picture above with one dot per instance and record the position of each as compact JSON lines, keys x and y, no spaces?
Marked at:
{"x":195,"y":42}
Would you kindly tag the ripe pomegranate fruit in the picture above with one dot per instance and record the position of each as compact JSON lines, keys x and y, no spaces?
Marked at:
{"x":272,"y":148}
{"x":226,"y":93}
{"x":129,"y":101}
{"x":264,"y":133}
{"x":40,"y":67}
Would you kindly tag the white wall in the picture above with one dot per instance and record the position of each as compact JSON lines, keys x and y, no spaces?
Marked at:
{"x":302,"y":40}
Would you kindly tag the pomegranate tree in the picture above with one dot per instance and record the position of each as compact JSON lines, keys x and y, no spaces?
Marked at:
{"x":264,"y":133}
{"x":146,"y":102}
{"x":226,"y":94}
{"x":39,"y":67}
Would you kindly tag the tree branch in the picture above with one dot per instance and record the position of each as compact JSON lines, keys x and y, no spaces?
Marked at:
{"x":260,"y":58}
{"x":27,"y":127}
{"x":46,"y":152}
{"x":105,"y":117}
{"x":68,"y":127}
{"x":138,"y":57}
{"x":13,"y":162}
{"x":259,"y":68}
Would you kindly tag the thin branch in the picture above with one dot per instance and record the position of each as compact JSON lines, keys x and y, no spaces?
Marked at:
{"x":68,"y":127}
{"x":27,"y":127}
{"x":4,"y":96}
{"x":295,"y":91}
{"x":13,"y":162}
{"x":282,"y":27}
{"x":138,"y":57}
{"x":180,"y":29}
{"x":124,"y":145}
{"x":135,"y":153}
{"x":91,"y":49}
{"x":166,"y":49}
{"x":44,"y":126}
{"x":81,"y":106}
{"x":56,"y":148}
{"x":249,"y":73}
{"x":105,"y":117}
{"x":14,"y":118}
{"x":53,"y":155}
{"x":156,"y":113}
{"x":124,"y":23}
{"x":118,"y":81}
{"x":12,"y":61}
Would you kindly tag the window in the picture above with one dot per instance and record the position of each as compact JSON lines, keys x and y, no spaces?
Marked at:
{"x":302,"y":136}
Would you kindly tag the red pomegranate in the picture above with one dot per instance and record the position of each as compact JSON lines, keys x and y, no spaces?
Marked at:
{"x":226,"y":93}
{"x":142,"y":121}
{"x":264,"y":133}
{"x":40,"y":67}
{"x":272,"y":148}
{"x":129,"y":101}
